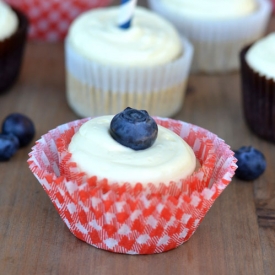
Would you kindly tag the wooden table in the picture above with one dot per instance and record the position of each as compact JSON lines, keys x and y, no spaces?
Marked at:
{"x":236,"y":237}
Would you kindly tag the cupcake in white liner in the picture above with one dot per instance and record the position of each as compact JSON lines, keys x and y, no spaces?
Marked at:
{"x":145,"y":67}
{"x":133,"y":219}
{"x":217,"y":30}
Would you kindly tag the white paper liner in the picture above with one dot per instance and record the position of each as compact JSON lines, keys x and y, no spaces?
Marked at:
{"x":94,"y":89}
{"x":217,"y":43}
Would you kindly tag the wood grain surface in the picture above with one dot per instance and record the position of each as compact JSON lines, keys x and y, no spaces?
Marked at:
{"x":237,"y":235}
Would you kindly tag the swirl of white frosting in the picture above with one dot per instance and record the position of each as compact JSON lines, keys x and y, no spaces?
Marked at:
{"x":211,"y":9}
{"x":261,"y":56}
{"x":150,"y":40}
{"x":170,"y":158}
{"x":8,"y":21}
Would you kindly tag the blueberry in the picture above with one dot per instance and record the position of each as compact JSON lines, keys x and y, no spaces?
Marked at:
{"x":9,"y":144}
{"x":134,"y":129}
{"x":20,"y":126}
{"x":251,"y":163}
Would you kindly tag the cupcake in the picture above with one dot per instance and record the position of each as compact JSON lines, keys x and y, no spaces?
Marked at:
{"x":218,"y":30}
{"x":109,"y":68}
{"x":258,"y":86}
{"x":50,"y":20}
{"x":13,"y":31}
{"x":119,"y":203}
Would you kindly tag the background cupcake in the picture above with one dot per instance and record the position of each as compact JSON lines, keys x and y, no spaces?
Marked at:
{"x":109,"y":68}
{"x":134,"y":219}
{"x":258,"y":86}
{"x":49,"y":20}
{"x":13,"y":32}
{"x":273,"y":3}
{"x":217,"y":29}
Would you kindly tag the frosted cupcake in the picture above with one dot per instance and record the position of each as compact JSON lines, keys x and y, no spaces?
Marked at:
{"x":121,"y":203}
{"x":258,"y":86}
{"x":13,"y":31}
{"x":217,"y":29}
{"x":108,"y":68}
{"x":131,"y":148}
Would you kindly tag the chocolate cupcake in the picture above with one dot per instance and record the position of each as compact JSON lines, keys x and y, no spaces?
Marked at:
{"x":258,"y":86}
{"x":12,"y":45}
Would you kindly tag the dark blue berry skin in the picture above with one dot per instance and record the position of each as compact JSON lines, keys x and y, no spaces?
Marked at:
{"x":20,"y":126}
{"x":251,"y":163}
{"x":134,"y":129}
{"x":9,"y":144}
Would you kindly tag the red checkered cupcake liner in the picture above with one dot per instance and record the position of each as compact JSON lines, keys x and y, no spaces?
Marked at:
{"x":50,"y":20}
{"x":132,"y":219}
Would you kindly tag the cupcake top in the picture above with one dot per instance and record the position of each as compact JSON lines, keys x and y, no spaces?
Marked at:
{"x":261,"y":56}
{"x":8,"y":21}
{"x":94,"y":150}
{"x":151,"y":40}
{"x":211,"y":9}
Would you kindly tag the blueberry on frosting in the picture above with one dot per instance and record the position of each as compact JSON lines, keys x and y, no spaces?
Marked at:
{"x":134,"y":129}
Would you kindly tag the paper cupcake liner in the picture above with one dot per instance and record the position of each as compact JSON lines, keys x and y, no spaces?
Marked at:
{"x":133,"y":219}
{"x":258,"y":98}
{"x":273,"y":5}
{"x":217,"y":44}
{"x":50,"y":19}
{"x":94,"y":89}
{"x":11,"y":53}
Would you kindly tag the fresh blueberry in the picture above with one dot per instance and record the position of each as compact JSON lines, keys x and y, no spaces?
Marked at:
{"x":134,"y":129}
{"x":20,"y":126}
{"x":251,"y":163}
{"x":9,"y":144}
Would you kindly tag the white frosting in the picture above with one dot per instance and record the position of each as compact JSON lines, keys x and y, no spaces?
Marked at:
{"x":151,"y":40}
{"x":8,"y":21}
{"x":211,"y":9}
{"x":170,"y":158}
{"x":261,"y":56}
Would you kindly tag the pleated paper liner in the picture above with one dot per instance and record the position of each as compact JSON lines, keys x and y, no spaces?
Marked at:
{"x":258,"y":99}
{"x":132,"y":219}
{"x":217,"y":43}
{"x":11,"y":53}
{"x":95,"y":89}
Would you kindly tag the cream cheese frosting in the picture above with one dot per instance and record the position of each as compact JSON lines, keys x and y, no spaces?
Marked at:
{"x":151,"y":40}
{"x":261,"y":56}
{"x":211,"y":9}
{"x":8,"y":21}
{"x":170,"y":158}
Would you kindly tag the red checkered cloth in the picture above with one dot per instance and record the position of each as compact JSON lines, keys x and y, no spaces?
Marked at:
{"x":50,"y":19}
{"x":132,"y":219}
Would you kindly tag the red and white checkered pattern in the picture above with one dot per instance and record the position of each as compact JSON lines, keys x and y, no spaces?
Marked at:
{"x":50,"y":19}
{"x":139,"y":219}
